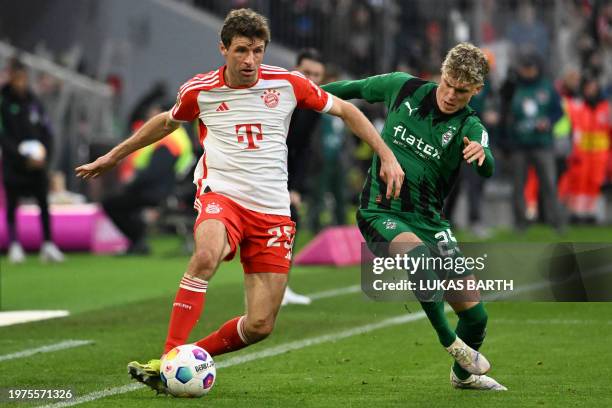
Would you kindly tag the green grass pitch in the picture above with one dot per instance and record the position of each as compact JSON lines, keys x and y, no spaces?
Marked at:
{"x":547,"y":354}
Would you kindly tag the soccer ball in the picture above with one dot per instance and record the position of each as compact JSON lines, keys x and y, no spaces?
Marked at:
{"x":188,"y":371}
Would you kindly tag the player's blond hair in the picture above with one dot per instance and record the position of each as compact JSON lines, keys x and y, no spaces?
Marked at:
{"x":466,"y":63}
{"x":244,"y":23}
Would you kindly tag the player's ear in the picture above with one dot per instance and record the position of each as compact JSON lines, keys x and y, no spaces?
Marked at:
{"x":222,"y":48}
{"x":477,"y":90}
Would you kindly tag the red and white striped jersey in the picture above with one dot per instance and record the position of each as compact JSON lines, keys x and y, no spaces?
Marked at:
{"x":244,"y":132}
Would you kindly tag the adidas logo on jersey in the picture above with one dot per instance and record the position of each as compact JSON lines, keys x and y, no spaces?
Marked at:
{"x":222,"y":108}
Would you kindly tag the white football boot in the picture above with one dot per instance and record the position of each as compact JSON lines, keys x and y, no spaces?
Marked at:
{"x":16,"y":254}
{"x":291,"y":297}
{"x":476,"y":382}
{"x":469,"y":359}
{"x":49,"y":252}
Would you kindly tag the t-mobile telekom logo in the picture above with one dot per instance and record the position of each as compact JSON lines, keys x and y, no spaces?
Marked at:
{"x":249,"y":133}
{"x":181,"y":305}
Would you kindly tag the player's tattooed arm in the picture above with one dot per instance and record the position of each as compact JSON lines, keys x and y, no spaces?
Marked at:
{"x":153,"y":130}
{"x":390,"y":171}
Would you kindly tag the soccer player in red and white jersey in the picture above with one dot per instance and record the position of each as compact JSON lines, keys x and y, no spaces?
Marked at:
{"x":243,"y":109}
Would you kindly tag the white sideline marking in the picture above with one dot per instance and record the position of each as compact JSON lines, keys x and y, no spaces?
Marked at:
{"x":25,"y":316}
{"x":335,"y":292}
{"x":270,"y":352}
{"x":46,"y":349}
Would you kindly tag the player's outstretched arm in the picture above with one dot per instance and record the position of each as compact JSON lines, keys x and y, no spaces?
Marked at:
{"x":390,"y":171}
{"x":379,"y":88}
{"x":153,"y":130}
{"x":346,"y":89}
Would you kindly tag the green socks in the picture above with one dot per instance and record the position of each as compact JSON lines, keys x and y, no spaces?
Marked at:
{"x":432,"y":301}
{"x":437,"y":318}
{"x":471,"y":328}
{"x":472,"y":324}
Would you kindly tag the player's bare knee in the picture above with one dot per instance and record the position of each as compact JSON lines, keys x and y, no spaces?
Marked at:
{"x":258,"y":328}
{"x":203,"y":264}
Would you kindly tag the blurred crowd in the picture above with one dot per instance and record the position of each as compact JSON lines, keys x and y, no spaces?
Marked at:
{"x":546,"y":104}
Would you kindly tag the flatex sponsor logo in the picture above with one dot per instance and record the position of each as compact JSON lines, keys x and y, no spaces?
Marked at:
{"x":423,"y":149}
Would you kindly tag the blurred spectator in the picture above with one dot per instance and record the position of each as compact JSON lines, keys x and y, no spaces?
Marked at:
{"x":332,"y":177}
{"x":301,"y":129}
{"x":572,"y":39}
{"x":26,"y":141}
{"x":434,"y":50}
{"x":155,"y":170}
{"x":410,"y":25}
{"x":534,"y":108}
{"x":604,"y":24}
{"x":306,"y":22}
{"x":488,"y":29}
{"x":115,"y":81}
{"x":580,"y":186}
{"x":156,"y":95}
{"x":361,"y":41}
{"x":299,"y":145}
{"x":604,"y":33}
{"x":527,"y":32}
{"x":568,"y":88}
{"x":569,"y":83}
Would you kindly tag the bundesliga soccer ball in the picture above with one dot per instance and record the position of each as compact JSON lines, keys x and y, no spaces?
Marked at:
{"x":188,"y":371}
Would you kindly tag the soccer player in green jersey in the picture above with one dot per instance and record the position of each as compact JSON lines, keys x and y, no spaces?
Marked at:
{"x":430,"y":128}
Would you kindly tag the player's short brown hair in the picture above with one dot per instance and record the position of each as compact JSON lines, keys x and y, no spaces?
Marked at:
{"x":466,"y":63}
{"x":244,"y":23}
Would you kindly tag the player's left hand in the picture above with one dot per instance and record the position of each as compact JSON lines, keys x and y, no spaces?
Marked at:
{"x":473,"y":151}
{"x":94,"y":169}
{"x":392,"y":174}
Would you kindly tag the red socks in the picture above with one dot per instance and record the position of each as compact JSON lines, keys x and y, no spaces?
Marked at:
{"x":230,"y":337}
{"x":186,"y":311}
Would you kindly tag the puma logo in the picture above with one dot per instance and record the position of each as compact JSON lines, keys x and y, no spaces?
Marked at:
{"x":410,"y":108}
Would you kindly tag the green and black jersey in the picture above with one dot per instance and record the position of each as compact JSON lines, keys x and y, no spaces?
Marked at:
{"x":427,"y":143}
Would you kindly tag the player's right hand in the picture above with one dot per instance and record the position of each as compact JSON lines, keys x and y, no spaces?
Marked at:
{"x":295,"y":198}
{"x":392,"y":174}
{"x":94,"y":169}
